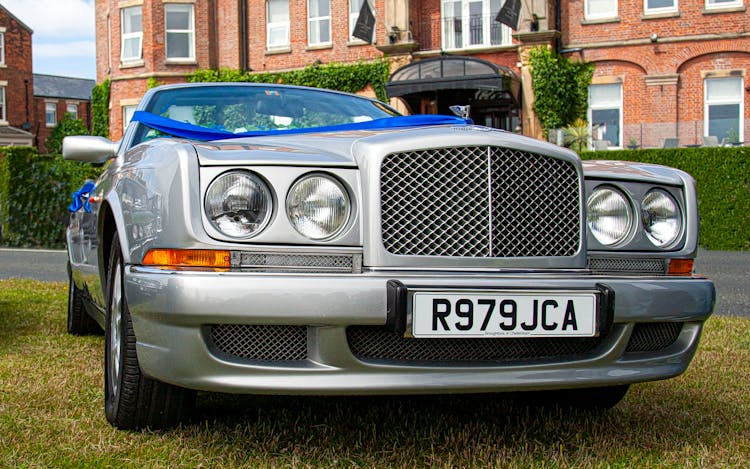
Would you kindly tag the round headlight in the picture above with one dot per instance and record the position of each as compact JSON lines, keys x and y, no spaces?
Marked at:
{"x":609,"y":216}
{"x":318,"y":207}
{"x":661,"y":216}
{"x":238,"y":204}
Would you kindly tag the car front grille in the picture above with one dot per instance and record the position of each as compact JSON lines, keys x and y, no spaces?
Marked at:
{"x":627,"y":265}
{"x":479,"y":201}
{"x":380,"y":344}
{"x":653,"y":337}
{"x":258,"y":342}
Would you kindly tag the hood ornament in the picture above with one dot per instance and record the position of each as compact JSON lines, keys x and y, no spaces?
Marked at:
{"x":460,"y":111}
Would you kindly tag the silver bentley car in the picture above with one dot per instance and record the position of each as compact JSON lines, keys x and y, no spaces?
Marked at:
{"x":251,"y":238}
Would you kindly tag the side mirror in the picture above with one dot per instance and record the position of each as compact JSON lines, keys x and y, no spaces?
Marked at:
{"x":88,"y":149}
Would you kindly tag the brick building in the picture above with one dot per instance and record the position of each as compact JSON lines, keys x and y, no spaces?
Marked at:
{"x":16,"y":81}
{"x":664,"y":68}
{"x":55,"y":97}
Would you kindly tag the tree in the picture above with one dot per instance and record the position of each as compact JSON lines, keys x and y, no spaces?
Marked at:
{"x":560,"y":88}
{"x":66,"y":126}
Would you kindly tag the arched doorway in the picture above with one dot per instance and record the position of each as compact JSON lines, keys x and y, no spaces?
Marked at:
{"x":431,"y":86}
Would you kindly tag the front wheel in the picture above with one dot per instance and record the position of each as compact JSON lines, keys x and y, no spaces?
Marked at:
{"x":134,"y":401}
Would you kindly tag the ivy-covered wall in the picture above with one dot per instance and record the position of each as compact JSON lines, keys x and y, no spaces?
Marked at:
{"x":350,"y":78}
{"x":35,"y":192}
{"x":100,"y":109}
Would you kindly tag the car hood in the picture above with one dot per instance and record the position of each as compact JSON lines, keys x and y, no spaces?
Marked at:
{"x":349,"y":148}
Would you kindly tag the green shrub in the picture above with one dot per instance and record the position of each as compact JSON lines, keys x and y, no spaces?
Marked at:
{"x":35,"y":192}
{"x":66,"y":126}
{"x":723,"y":180}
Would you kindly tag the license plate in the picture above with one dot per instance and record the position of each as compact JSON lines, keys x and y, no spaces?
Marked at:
{"x":504,"y":314}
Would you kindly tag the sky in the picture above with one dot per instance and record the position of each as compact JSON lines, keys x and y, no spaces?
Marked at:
{"x":63,"y":41}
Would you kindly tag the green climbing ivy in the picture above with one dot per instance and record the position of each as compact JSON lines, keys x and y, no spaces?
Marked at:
{"x":100,"y":109}
{"x":560,"y":88}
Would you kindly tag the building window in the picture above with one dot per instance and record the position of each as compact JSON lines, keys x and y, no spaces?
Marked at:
{"x":2,"y":48}
{"x":127,"y":115}
{"x":132,"y":34}
{"x":605,"y":113}
{"x":599,"y":9}
{"x":277,"y":24}
{"x":180,"y":31}
{"x":354,"y":8}
{"x":659,"y":6}
{"x":471,"y":23}
{"x":3,"y":110}
{"x":50,"y":114}
{"x":72,"y":111}
{"x":724,"y":109}
{"x":713,"y":4}
{"x":318,"y":22}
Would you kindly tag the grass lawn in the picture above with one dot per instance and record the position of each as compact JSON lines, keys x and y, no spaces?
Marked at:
{"x":51,"y":414}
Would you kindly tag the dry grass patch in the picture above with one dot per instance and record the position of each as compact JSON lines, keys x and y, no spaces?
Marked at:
{"x":51,"y":414}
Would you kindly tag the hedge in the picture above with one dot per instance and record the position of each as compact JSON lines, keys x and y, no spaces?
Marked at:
{"x":723,"y":182}
{"x":35,"y":191}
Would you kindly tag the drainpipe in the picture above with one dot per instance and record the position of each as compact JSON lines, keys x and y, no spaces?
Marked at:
{"x":243,"y":35}
{"x":558,"y":25}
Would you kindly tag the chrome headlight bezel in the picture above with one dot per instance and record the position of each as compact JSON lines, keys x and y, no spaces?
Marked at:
{"x":292,"y":207}
{"x":646,"y":217}
{"x":617,"y":196}
{"x":264,"y":191}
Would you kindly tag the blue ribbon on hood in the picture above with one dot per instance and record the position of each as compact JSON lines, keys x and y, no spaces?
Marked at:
{"x":195,"y":132}
{"x":81,"y":198}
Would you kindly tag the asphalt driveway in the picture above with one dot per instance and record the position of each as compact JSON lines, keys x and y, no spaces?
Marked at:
{"x":730,"y":271}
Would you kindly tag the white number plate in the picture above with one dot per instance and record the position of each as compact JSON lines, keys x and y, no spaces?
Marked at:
{"x":504,"y":314}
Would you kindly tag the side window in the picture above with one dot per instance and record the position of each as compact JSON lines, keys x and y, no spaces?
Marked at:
{"x":132,"y":34}
{"x":605,"y":113}
{"x":277,"y":24}
{"x":72,"y":110}
{"x":50,"y":114}
{"x":724,"y":108}
{"x":180,"y":31}
{"x":600,"y":9}
{"x":318,"y":22}
{"x":653,"y":7}
{"x":715,"y":4}
{"x":127,"y":114}
{"x":2,"y":46}
{"x":3,"y":110}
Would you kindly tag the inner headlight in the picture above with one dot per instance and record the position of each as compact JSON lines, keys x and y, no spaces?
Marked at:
{"x":661,"y":216}
{"x":609,"y":216}
{"x":318,"y":207}
{"x":238,"y":204}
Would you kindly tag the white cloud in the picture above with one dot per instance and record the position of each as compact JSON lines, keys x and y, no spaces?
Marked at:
{"x":51,"y":19}
{"x":65,"y":49}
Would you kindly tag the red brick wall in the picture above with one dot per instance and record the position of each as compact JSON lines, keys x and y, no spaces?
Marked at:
{"x":42,"y":131}
{"x":17,"y":71}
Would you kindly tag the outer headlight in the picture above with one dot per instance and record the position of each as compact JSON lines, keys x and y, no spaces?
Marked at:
{"x":609,"y":216}
{"x":662,"y":218}
{"x":318,"y":207}
{"x":238,"y":204}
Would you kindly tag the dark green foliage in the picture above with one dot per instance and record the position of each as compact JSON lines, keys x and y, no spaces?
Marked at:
{"x":350,"y":78}
{"x":66,"y":126}
{"x":35,"y":191}
{"x":560,"y":88}
{"x":100,"y":109}
{"x":723,"y":180}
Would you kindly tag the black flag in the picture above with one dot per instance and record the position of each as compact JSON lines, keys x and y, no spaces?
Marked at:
{"x":509,"y":13}
{"x":365,"y":25}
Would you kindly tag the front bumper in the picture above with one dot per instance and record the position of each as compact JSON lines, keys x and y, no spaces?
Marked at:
{"x":172,"y":310}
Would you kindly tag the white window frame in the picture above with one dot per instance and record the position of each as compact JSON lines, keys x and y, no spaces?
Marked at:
{"x":127,"y":115}
{"x":599,"y":16}
{"x":319,"y":19}
{"x":656,"y":11}
{"x":50,"y":109}
{"x":138,"y":35}
{"x":607,"y":105}
{"x":739,"y":100}
{"x":3,"y":105}
{"x":2,"y":46}
{"x":717,"y":5}
{"x":190,"y":33}
{"x":74,"y":113}
{"x":488,"y":19}
{"x":275,"y":26}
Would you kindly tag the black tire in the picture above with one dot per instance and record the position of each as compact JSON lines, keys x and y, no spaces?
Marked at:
{"x":596,"y":399}
{"x":133,"y":401}
{"x":79,"y":322}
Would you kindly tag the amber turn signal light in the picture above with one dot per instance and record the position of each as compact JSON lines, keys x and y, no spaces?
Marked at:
{"x":203,"y":258}
{"x":681,"y":267}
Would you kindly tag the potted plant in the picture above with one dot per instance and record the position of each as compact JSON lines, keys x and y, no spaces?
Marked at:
{"x":632,"y":144}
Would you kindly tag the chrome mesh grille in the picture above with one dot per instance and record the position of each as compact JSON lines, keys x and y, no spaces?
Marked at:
{"x":479,"y":202}
{"x":627,"y":265}
{"x":652,"y":337}
{"x":377,"y":343}
{"x":254,"y":342}
{"x":293,"y":262}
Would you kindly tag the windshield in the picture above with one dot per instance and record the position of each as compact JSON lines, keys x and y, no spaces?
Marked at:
{"x":236,"y":108}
